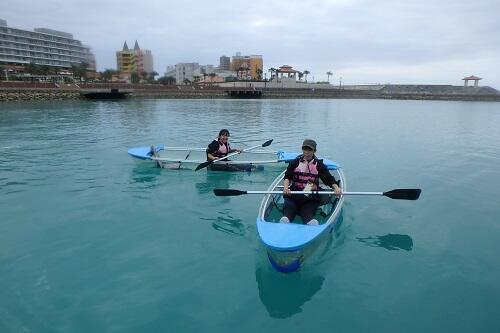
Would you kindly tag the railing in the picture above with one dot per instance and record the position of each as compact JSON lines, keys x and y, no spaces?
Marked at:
{"x":9,"y":84}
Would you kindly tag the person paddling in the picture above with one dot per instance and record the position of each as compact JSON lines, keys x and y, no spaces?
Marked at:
{"x":303,"y":174}
{"x":220,"y":148}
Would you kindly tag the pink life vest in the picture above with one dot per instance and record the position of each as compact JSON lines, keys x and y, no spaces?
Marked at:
{"x":305,"y":172}
{"x":224,"y":149}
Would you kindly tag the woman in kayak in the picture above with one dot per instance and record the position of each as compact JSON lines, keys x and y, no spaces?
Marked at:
{"x":220,"y":148}
{"x":303,"y":174}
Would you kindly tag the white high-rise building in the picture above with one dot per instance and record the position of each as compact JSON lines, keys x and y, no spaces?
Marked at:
{"x":42,"y":46}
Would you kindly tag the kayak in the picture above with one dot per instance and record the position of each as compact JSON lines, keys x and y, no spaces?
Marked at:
{"x":289,"y":244}
{"x":175,"y":157}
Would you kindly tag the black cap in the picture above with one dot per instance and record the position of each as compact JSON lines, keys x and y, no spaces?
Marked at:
{"x":309,"y":143}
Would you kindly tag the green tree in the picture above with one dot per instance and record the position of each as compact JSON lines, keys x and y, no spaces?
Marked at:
{"x":306,"y":72}
{"x":166,"y":80}
{"x":107,"y":75}
{"x":151,"y":76}
{"x":134,"y":77}
{"x":328,"y":74}
{"x":80,"y":70}
{"x":273,"y":71}
{"x":259,"y":74}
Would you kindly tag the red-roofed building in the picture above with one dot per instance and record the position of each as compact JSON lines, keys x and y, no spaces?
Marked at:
{"x":471,"y":78}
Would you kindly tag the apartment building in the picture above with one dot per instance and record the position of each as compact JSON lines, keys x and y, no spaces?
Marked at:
{"x":247,"y":67}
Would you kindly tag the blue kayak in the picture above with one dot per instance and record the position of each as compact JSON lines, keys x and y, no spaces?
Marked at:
{"x":288,"y":245}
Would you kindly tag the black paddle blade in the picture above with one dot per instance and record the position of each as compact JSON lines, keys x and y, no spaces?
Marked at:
{"x":267,"y":143}
{"x":203,"y":165}
{"x":404,"y":194}
{"x":225,"y":192}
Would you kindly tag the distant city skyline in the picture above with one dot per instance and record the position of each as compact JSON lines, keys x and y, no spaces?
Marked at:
{"x":424,"y":42}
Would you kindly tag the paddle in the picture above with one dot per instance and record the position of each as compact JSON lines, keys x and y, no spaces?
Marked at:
{"x":207,"y":163}
{"x":184,"y":159}
{"x":401,"y":194}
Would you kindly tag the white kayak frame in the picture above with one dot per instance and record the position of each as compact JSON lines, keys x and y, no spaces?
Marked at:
{"x":143,"y":153}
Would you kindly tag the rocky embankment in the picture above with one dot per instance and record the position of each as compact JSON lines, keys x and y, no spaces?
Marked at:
{"x":413,"y":92}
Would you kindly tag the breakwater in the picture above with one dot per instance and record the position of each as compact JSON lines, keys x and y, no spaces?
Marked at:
{"x":20,"y":92}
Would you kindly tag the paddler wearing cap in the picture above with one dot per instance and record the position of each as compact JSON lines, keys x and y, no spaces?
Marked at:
{"x":303,"y":174}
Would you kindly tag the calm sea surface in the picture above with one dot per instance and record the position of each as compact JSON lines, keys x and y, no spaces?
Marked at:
{"x":93,"y":241}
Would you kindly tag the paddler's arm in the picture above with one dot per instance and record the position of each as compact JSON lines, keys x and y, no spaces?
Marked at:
{"x":328,"y":178}
{"x":212,"y":148}
{"x":286,"y":186}
{"x":289,"y":175}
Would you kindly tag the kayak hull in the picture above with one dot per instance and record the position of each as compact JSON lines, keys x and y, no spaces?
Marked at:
{"x":288,"y":245}
{"x":192,"y":157}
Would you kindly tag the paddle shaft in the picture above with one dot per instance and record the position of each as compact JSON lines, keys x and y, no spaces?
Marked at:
{"x":404,"y":194}
{"x":314,"y":192}
{"x":242,"y":151}
{"x":207,"y":163}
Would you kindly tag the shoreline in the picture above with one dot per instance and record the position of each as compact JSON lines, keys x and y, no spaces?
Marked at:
{"x":397,"y":92}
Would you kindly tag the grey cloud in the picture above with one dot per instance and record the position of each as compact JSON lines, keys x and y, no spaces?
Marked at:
{"x":318,"y":35}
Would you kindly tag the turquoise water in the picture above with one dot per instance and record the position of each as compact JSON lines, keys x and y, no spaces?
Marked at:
{"x":92,"y":241}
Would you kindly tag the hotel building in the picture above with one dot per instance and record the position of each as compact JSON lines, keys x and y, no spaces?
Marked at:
{"x":135,"y":60}
{"x":42,"y":46}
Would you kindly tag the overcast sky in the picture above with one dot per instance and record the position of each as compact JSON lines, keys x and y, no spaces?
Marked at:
{"x":360,"y":41}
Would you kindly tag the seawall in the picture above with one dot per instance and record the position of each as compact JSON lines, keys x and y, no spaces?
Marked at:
{"x":409,"y":92}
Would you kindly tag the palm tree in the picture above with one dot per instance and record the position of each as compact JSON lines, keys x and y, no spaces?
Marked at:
{"x":134,"y":77}
{"x":107,"y":75}
{"x":151,"y":76}
{"x":328,"y":74}
{"x":166,"y":80}
{"x":273,"y":71}
{"x":306,"y":72}
{"x":259,"y":74}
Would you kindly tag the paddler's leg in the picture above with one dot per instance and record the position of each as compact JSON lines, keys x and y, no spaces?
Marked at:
{"x":307,"y":212}
{"x":290,"y":210}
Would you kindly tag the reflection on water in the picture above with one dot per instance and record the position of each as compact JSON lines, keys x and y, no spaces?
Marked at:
{"x":389,"y":242}
{"x":227,"y":223}
{"x":145,"y":173}
{"x":283,"y":295}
